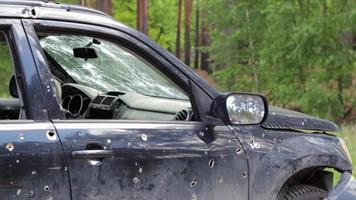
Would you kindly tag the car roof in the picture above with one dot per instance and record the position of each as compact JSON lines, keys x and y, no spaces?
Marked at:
{"x":49,"y":4}
{"x":37,"y":9}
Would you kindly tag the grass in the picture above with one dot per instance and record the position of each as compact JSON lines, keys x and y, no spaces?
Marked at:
{"x":348,"y":133}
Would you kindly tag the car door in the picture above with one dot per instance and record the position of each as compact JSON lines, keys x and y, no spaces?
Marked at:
{"x":142,"y":159}
{"x":32,"y":161}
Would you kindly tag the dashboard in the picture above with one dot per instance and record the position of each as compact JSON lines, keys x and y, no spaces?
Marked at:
{"x":82,"y":102}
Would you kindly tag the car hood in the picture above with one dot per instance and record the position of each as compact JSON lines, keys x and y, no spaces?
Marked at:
{"x":279,"y":118}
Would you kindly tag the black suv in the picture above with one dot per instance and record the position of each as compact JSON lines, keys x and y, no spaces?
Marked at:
{"x":97,"y":110}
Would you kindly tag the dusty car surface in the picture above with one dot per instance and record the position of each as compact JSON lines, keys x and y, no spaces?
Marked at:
{"x":99,"y":111}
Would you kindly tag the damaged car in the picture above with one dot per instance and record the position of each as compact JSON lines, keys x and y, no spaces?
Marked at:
{"x":97,"y":110}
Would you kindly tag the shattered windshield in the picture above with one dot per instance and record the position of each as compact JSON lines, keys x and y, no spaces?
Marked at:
{"x":115,"y":69}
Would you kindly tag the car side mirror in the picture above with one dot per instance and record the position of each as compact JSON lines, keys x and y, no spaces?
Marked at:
{"x":240,"y":108}
{"x":85,"y":53}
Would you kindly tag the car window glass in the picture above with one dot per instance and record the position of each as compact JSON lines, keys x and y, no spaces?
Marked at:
{"x":10,"y":104}
{"x":115,"y":69}
{"x":100,"y":79}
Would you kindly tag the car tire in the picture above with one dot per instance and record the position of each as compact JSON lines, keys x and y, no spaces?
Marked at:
{"x":304,"y":192}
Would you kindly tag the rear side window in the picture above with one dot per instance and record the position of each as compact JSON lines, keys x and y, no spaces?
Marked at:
{"x":11,"y":105}
{"x":6,"y":67}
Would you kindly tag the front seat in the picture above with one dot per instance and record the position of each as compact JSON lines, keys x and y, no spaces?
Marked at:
{"x":14,"y":92}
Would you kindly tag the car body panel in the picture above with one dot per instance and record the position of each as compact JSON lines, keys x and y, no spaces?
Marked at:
{"x":32,"y":162}
{"x":276,"y":155}
{"x":154,"y":160}
{"x":279,"y":118}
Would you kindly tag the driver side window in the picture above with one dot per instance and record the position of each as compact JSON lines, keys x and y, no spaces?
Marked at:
{"x":99,"y":79}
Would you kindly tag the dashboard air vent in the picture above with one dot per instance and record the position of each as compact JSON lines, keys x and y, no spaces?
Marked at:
{"x":182,"y":115}
{"x":108,"y":100}
{"x":98,"y":99}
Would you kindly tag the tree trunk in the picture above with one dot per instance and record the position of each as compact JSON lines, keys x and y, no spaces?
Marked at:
{"x":252,"y":58}
{"x":82,"y":2}
{"x":179,"y":22}
{"x":204,"y":63}
{"x":104,"y":6}
{"x":188,"y":11}
{"x":196,"y":42}
{"x":142,"y":16}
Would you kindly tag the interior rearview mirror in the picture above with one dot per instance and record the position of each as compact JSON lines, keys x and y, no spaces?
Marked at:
{"x":85,"y":53}
{"x":240,"y":108}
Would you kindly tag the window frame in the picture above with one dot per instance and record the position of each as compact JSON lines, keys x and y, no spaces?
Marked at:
{"x":24,"y":70}
{"x":123,"y":39}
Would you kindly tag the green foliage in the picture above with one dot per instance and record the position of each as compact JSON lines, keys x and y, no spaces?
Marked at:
{"x":6,"y":67}
{"x":348,"y":134}
{"x":162,"y":19}
{"x":291,"y":50}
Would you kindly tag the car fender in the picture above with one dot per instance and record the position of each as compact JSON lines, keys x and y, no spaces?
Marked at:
{"x":274,"y":156}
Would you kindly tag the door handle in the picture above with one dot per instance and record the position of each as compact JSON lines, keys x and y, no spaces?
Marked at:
{"x":87,"y":154}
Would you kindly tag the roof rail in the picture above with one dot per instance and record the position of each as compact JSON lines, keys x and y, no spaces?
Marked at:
{"x":52,"y":4}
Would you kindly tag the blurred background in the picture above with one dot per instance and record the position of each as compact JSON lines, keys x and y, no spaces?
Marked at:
{"x":299,"y":53}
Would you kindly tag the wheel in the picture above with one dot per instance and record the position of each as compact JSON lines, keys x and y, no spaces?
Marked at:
{"x":303,"y":192}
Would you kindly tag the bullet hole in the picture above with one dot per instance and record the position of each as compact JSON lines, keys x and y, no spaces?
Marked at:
{"x":201,"y":133}
{"x":244,"y":174}
{"x":136,"y":164}
{"x":194,"y":196}
{"x":21,"y":137}
{"x":11,"y":182}
{"x":140,"y":170}
{"x":302,"y":123}
{"x":30,"y":193}
{"x":17,"y":161}
{"x":193,"y":183}
{"x":220,"y":180}
{"x":18,"y":192}
{"x":205,"y":152}
{"x":275,"y":140}
{"x":211,"y":163}
{"x":33,"y":172}
{"x":256,"y":145}
{"x":129,"y":144}
{"x":46,"y":188}
{"x":136,"y":180}
{"x":108,"y":141}
{"x":81,"y":133}
{"x":33,"y":12}
{"x":230,"y":141}
{"x":10,"y":147}
{"x":238,"y":151}
{"x":104,"y":147}
{"x":65,"y":168}
{"x":144,"y":137}
{"x":263,"y":135}
{"x":51,"y":136}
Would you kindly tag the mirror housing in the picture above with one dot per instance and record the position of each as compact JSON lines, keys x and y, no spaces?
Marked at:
{"x":240,"y":108}
{"x":85,"y":53}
